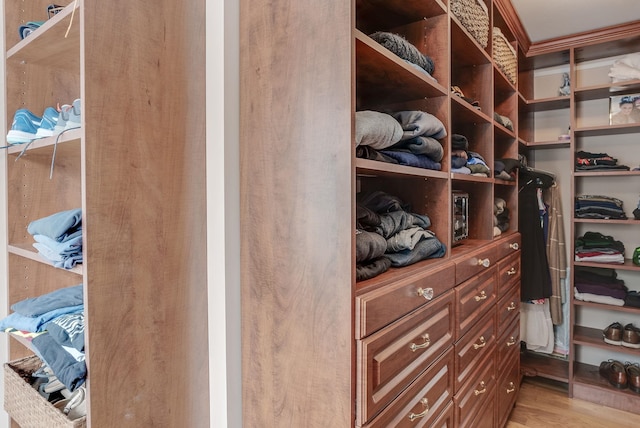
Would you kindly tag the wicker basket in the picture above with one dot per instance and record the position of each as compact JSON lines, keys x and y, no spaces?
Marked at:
{"x":474,"y":16}
{"x":504,"y":55}
{"x":25,"y":405}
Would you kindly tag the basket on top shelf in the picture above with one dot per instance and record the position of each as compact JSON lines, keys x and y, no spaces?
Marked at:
{"x":504,"y":55}
{"x":474,"y":16}
{"x":24,"y":403}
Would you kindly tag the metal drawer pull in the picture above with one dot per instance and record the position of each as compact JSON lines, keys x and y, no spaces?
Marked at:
{"x":481,"y":391}
{"x":484,"y":262}
{"x":511,"y":271}
{"x":414,"y":416}
{"x":482,"y":296}
{"x":427,"y":293}
{"x":511,"y":388}
{"x":511,"y":307}
{"x":426,"y":343}
{"x":514,"y":246}
{"x":482,"y":344}
{"x":511,"y":341}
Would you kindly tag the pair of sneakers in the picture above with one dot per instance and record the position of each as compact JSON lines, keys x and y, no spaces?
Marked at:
{"x":27,"y":126}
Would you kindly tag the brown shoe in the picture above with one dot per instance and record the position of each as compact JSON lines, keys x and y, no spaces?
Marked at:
{"x":613,"y":334}
{"x":633,"y":376}
{"x":617,"y":375}
{"x":631,"y":336}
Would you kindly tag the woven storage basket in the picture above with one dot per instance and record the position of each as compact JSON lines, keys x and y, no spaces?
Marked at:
{"x":474,"y":16}
{"x":505,"y":55}
{"x":25,"y":405}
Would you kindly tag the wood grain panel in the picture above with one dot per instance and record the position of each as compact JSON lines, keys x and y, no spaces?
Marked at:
{"x":296,"y":212}
{"x":145,"y":228}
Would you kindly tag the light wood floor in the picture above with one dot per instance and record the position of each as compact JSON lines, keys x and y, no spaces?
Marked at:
{"x":544,"y":405}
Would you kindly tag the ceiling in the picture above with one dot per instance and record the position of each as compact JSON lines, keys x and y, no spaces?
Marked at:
{"x":548,"y":19}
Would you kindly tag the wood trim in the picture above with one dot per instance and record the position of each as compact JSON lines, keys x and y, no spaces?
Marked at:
{"x":602,"y":35}
{"x":513,"y":22}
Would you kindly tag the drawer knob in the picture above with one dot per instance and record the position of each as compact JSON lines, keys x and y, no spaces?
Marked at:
{"x":511,"y":388}
{"x":480,"y":391}
{"x":514,"y":246}
{"x":482,"y":296}
{"x":425,"y":344}
{"x":482,"y":343}
{"x":511,"y":341}
{"x":484,"y":262}
{"x":511,"y":271}
{"x":414,"y":416}
{"x":511,"y":307}
{"x":427,"y":293}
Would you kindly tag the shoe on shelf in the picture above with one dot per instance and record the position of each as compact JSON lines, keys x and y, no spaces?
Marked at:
{"x":615,"y":372}
{"x":73,"y":121}
{"x":24,"y":127}
{"x":631,"y":336}
{"x":48,"y":124}
{"x":633,"y":376}
{"x":613,"y":334}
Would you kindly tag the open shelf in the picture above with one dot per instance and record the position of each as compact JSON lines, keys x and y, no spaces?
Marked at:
{"x":546,"y":366}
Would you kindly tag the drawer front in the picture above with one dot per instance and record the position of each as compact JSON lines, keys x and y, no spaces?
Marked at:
{"x":509,"y":344}
{"x":508,"y":307}
{"x":507,"y":391}
{"x":473,"y":347}
{"x":422,"y":403}
{"x":473,"y":299}
{"x":381,"y":307}
{"x":508,"y":272}
{"x":508,"y":245}
{"x":389,"y":360}
{"x":475,"y":263}
{"x":477,"y":393}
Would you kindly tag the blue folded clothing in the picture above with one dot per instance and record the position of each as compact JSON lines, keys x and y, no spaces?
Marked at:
{"x":60,"y":226}
{"x":60,"y":298}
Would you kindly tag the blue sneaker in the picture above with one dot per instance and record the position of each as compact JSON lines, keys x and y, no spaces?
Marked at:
{"x":48,"y":124}
{"x":73,"y":121}
{"x":24,"y":127}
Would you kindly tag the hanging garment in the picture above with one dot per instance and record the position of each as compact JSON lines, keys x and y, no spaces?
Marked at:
{"x":556,"y":252}
{"x":535,"y":279}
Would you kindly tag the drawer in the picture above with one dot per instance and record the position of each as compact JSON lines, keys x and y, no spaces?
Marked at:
{"x":477,"y":395}
{"x":381,"y":307}
{"x":508,"y":385}
{"x":389,"y":360}
{"x":508,"y":307}
{"x":475,"y":262}
{"x":473,"y":346}
{"x":508,"y":245}
{"x":487,"y":416}
{"x":423,"y":402}
{"x":508,"y":272}
{"x":509,"y":344}
{"x":473,"y":299}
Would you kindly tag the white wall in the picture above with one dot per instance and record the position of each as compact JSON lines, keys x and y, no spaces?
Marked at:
{"x":223,"y":228}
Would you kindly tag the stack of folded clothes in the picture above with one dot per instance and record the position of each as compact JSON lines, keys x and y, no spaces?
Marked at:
{"x":599,"y":286}
{"x":506,"y":169}
{"x":54,"y":324}
{"x":587,"y":161}
{"x":405,"y":50}
{"x":598,"y":206}
{"x":405,"y":137}
{"x":389,"y":234}
{"x":464,"y":161}
{"x":598,"y":248}
{"x":59,"y":238}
